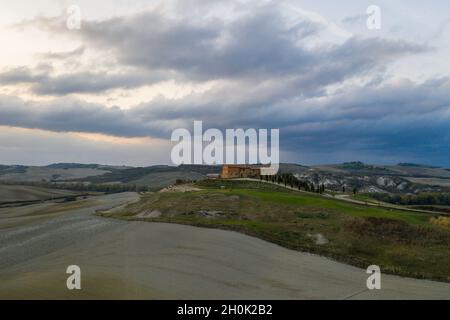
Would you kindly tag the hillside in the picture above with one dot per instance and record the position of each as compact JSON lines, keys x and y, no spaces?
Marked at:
{"x":50,"y":173}
{"x":12,"y":193}
{"x":403,"y":178}
{"x":400,"y":242}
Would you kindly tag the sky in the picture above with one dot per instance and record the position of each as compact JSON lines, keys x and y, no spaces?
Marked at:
{"x":113,"y":90}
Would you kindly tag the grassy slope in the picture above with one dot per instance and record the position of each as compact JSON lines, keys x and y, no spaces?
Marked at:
{"x":400,"y":242}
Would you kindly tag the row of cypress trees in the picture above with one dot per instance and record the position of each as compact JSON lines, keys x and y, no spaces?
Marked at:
{"x":288,"y":179}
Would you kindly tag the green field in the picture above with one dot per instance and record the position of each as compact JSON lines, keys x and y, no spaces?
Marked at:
{"x":400,"y":242}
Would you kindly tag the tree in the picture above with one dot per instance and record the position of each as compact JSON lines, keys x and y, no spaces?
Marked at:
{"x":322,"y":188}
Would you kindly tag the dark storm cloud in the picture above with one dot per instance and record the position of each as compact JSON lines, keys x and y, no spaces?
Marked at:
{"x":70,"y":115}
{"x":407,"y":119}
{"x":361,"y":114}
{"x":257,"y":45}
{"x":42,"y":82}
{"x":20,"y":75}
{"x":268,"y":77}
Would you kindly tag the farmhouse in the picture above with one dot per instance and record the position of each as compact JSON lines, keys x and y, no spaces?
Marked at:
{"x":240,"y":171}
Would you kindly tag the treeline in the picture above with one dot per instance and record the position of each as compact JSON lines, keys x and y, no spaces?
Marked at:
{"x":425,"y":198}
{"x":184,"y":181}
{"x":85,"y":187}
{"x":288,"y":179}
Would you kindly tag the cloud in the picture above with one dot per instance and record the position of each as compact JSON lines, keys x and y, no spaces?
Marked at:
{"x":399,"y":117}
{"x":44,"y":83}
{"x":257,"y":44}
{"x":263,"y":70}
{"x":355,"y":19}
{"x":64,"y":55}
{"x":37,"y":147}
{"x":69,"y":115}
{"x":255,"y":47}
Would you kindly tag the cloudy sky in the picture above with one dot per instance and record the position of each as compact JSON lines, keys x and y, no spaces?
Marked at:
{"x":112,"y":91}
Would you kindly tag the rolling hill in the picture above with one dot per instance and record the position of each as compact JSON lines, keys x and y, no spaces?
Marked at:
{"x":13,"y":193}
{"x":403,"y":178}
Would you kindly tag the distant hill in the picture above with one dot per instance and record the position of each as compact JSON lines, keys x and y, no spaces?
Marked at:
{"x":12,"y":193}
{"x":406,"y":164}
{"x":49,"y":173}
{"x":12,"y":169}
{"x":401,"y":178}
{"x":355,"y":165}
{"x":72,"y":166}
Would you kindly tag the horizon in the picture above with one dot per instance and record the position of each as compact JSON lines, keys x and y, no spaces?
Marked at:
{"x":281,"y":163}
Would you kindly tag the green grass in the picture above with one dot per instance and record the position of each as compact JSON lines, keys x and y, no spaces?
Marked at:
{"x":400,"y":242}
{"x":365,"y":198}
{"x":311,"y":200}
